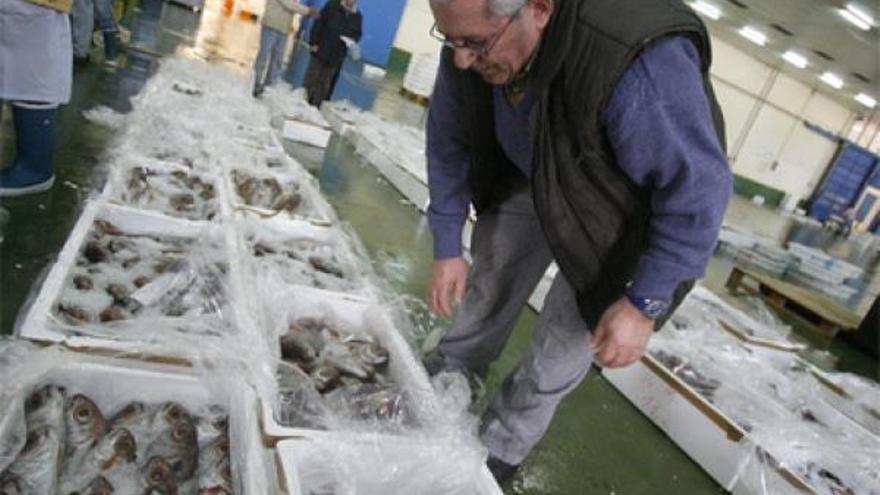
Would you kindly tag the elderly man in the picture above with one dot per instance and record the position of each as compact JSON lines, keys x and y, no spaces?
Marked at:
{"x":584,"y":132}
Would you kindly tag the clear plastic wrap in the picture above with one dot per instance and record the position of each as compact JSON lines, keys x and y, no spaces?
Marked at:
{"x":773,"y":397}
{"x":74,"y":421}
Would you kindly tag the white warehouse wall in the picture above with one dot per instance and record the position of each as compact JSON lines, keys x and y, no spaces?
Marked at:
{"x":765,"y":111}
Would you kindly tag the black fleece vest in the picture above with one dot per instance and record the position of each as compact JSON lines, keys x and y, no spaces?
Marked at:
{"x":595,"y":218}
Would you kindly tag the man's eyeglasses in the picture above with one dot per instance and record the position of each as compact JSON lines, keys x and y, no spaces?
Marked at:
{"x":480,"y":47}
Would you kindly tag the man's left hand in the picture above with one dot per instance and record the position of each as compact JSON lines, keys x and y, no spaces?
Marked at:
{"x":621,"y":337}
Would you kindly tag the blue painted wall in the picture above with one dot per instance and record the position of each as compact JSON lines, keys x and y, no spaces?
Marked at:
{"x":381,"y":20}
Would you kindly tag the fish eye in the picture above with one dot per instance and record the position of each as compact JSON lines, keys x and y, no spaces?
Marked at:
{"x":83,"y":413}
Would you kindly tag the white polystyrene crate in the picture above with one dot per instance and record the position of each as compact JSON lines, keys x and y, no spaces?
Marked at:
{"x":116,"y":185}
{"x":304,"y":132}
{"x":359,"y":316}
{"x":380,"y":465}
{"x":39,"y":322}
{"x":112,"y":383}
{"x":354,"y":263}
{"x":315,"y":208}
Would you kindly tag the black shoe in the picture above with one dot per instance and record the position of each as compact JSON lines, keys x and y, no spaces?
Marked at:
{"x":81,"y":61}
{"x":501,"y":471}
{"x":258,"y":92}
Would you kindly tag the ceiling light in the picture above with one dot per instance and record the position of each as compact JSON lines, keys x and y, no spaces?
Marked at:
{"x":795,"y":59}
{"x":857,"y":17}
{"x":832,"y":80}
{"x":707,"y":9}
{"x":866,"y":100}
{"x":753,"y":35}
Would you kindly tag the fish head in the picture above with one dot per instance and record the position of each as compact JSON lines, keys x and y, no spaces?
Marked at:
{"x":44,"y":396}
{"x":85,"y":416}
{"x":159,"y":477}
{"x":123,"y":447}
{"x":173,"y":413}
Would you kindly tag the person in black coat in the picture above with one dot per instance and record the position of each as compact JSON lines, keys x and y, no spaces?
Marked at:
{"x":338,"y":26}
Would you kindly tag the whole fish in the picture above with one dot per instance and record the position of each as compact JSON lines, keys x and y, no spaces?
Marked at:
{"x":326,"y":376}
{"x":85,"y":426}
{"x":158,"y":478}
{"x":177,"y":444}
{"x":215,"y":474}
{"x":342,"y":357}
{"x":35,"y":470}
{"x":45,"y":408}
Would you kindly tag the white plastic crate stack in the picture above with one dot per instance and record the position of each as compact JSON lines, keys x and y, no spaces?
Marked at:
{"x":822,"y":272}
{"x":752,"y":252}
{"x":421,"y":73}
{"x":292,"y":114}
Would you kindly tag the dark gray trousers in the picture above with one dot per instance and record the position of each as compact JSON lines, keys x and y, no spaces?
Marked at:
{"x":319,"y":78}
{"x":510,"y":256}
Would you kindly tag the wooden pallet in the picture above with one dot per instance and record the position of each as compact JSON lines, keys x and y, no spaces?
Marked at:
{"x":418,"y":99}
{"x":824,"y":315}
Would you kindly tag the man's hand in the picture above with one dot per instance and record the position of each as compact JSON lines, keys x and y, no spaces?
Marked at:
{"x":313,"y":48}
{"x":447,"y":284}
{"x":622,"y":335}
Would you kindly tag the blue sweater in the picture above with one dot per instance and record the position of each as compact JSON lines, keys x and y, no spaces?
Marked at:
{"x":660,"y":127}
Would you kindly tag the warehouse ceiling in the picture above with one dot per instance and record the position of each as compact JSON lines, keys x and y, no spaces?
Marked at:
{"x":815,"y":29}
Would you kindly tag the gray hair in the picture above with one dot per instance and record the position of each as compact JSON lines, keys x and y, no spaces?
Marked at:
{"x":499,"y":8}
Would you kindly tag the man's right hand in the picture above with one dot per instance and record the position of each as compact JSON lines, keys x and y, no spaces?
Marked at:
{"x":313,"y":48}
{"x":447,"y":285}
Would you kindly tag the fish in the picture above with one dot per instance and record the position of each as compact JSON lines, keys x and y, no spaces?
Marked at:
{"x":215,"y":474}
{"x":158,"y":478}
{"x":85,"y":425}
{"x":111,"y":313}
{"x":141,"y":281}
{"x":326,"y":376}
{"x":342,"y":357}
{"x":83,"y":282}
{"x":324,"y":266}
{"x":118,"y":448}
{"x":107,"y":228}
{"x":94,"y":252}
{"x":370,"y":353}
{"x":73,"y":314}
{"x":176,"y":442}
{"x":300,"y":346}
{"x":45,"y":408}
{"x":98,"y":486}
{"x":35,"y":470}
{"x":288,"y":201}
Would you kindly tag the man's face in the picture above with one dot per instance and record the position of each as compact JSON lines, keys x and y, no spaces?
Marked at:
{"x":349,"y":3}
{"x":510,"y":40}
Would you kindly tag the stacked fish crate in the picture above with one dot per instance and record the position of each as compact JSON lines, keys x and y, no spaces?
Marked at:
{"x":821,"y":272}
{"x":255,"y":319}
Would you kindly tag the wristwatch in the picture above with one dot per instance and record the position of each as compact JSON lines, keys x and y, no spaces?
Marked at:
{"x":651,"y":308}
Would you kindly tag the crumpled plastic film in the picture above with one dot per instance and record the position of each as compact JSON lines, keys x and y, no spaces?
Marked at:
{"x":390,"y":465}
{"x":776,"y":400}
{"x":126,"y":412}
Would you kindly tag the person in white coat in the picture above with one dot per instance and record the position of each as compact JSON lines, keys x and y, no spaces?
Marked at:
{"x":36,"y":65}
{"x":277,"y":20}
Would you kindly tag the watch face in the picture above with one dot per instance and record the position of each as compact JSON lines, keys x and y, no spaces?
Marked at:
{"x":653,"y":308}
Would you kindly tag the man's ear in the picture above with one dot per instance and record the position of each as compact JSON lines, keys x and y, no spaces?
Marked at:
{"x":541,"y":10}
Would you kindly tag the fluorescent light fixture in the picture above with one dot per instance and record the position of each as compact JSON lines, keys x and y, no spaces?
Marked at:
{"x":832,"y":80}
{"x":795,"y":59}
{"x":753,"y":35}
{"x":866,"y":100}
{"x":707,"y":9}
{"x":858,"y":16}
{"x":855,"y":20}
